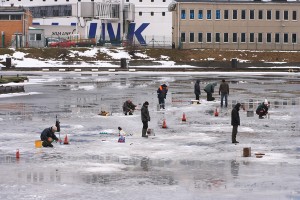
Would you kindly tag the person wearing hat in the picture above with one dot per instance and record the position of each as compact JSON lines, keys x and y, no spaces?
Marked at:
{"x":162,"y":95}
{"x":235,"y":122}
{"x":197,"y":90}
{"x":145,"y":118}
{"x":210,"y":89}
{"x":48,"y":136}
{"x":128,"y":107}
{"x":262,"y":109}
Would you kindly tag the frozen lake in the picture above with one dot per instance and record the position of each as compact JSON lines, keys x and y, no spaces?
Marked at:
{"x":186,"y":161}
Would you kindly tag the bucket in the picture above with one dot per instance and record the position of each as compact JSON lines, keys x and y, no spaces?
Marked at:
{"x":247,"y":152}
{"x":38,"y":144}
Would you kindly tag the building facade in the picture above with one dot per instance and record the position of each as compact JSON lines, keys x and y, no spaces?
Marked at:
{"x":251,"y":25}
{"x":14,"y":25}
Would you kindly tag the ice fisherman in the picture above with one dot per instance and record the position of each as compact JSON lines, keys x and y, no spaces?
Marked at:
{"x":235,"y":121}
{"x":145,"y":118}
{"x":48,"y":136}
{"x":128,"y":107}
{"x":224,"y":92}
{"x":210,"y":89}
{"x":162,"y":95}
{"x":262,"y":109}
{"x":197,"y":90}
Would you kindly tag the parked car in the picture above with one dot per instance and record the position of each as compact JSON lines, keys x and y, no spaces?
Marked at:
{"x":86,"y":42}
{"x":63,"y":43}
{"x":51,"y":40}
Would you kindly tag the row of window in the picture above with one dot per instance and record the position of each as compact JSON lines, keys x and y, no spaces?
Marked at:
{"x":152,"y":13}
{"x":10,"y":17}
{"x":252,"y":37}
{"x":241,"y":14}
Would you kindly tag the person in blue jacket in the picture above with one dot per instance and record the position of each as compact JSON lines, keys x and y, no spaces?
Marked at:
{"x":162,"y":95}
{"x":48,"y":136}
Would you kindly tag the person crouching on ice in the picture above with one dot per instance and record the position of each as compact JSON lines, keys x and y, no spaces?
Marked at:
{"x":262,"y":109}
{"x":48,"y":136}
{"x":122,"y":135}
{"x":128,"y":107}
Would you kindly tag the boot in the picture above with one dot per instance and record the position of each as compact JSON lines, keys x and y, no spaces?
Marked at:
{"x":144,"y":133}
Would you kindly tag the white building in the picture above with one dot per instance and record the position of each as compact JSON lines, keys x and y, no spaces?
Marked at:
{"x":151,"y":23}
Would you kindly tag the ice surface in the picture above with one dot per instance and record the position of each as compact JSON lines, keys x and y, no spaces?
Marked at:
{"x":186,"y":161}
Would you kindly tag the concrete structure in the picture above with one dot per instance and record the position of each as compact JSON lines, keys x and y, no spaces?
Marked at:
{"x":253,"y":25}
{"x":14,"y":25}
{"x":36,"y":38}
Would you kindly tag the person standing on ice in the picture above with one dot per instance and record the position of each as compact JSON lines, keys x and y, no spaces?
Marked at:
{"x":235,"y":122}
{"x":145,"y":118}
{"x":162,"y":95}
{"x":262,"y":109}
{"x":224,"y":92}
{"x":197,"y":90}
{"x":48,"y":136}
{"x":210,"y":89}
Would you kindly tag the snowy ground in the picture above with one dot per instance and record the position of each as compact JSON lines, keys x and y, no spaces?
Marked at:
{"x":186,"y":161}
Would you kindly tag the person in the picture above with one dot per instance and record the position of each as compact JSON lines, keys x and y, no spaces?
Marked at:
{"x":162,"y":95}
{"x":224,"y":92}
{"x":235,"y":121}
{"x":209,"y":89}
{"x":197,"y":90}
{"x":122,"y":135}
{"x":48,"y":136}
{"x":128,"y":107}
{"x":145,"y":118}
{"x":262,"y":109}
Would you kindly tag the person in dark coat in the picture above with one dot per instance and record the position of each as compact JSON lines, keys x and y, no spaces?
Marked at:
{"x":197,"y":90}
{"x":210,"y":89}
{"x":128,"y":107}
{"x":48,"y":136}
{"x":224,"y":92}
{"x":162,"y":95}
{"x":145,"y":118}
{"x":262,"y":109}
{"x":235,"y":121}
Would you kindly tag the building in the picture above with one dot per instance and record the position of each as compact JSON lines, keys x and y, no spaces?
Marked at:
{"x":14,"y":25}
{"x":251,"y":25}
{"x":151,"y":25}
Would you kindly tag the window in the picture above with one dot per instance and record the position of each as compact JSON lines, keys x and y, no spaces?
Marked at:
{"x":269,"y":37}
{"x":67,"y":13}
{"x":218,"y":37}
{"x":127,"y":0}
{"x":182,"y":37}
{"x":225,"y":37}
{"x":260,"y":14}
{"x":55,"y":13}
{"x":200,"y":37}
{"x":294,"y":38}
{"x":269,"y":14}
{"x":35,"y":37}
{"x":251,"y":37}
{"x":15,"y":17}
{"x":140,"y":1}
{"x":164,"y":0}
{"x":43,"y":13}
{"x":260,"y":37}
{"x":163,"y":13}
{"x":32,"y":37}
{"x":38,"y":37}
{"x":252,"y":14}
{"x":294,"y":15}
{"x":226,"y":14}
{"x":277,"y":38}
{"x":243,"y":37}
{"x":286,"y":15}
{"x":192,"y":37}
{"x":285,"y":38}
{"x":208,"y":37}
{"x":182,"y":14}
{"x":234,"y":14}
{"x":200,"y":14}
{"x":152,"y":0}
{"x":243,"y":14}
{"x":4,"y":17}
{"x":140,"y":13}
{"x":192,"y":14}
{"x":208,"y":14}
{"x":234,"y":37}
{"x":152,"y":13}
{"x":218,"y":14}
{"x":277,"y":14}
